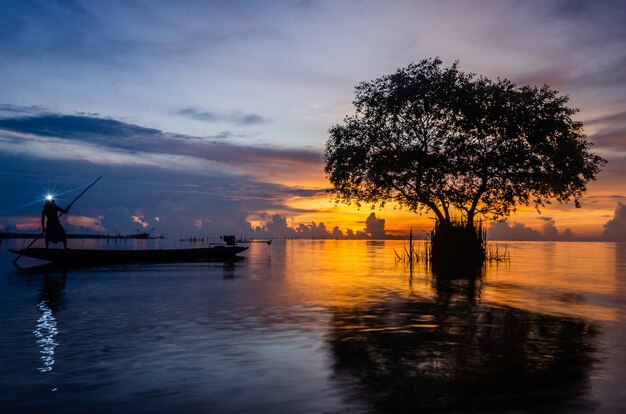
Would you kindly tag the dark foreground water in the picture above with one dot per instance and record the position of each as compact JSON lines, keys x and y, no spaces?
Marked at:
{"x":318,"y":327}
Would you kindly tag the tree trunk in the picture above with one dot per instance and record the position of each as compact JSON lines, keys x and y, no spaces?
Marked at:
{"x":470,"y":221}
{"x":457,"y":249}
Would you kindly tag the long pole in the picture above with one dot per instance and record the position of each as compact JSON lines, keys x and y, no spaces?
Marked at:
{"x":80,"y":195}
{"x":63,"y":212}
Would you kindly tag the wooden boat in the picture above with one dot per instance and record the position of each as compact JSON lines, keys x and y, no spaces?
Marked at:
{"x":82,"y":256}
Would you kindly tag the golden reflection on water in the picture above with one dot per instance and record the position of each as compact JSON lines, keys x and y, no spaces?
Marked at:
{"x":571,"y":279}
{"x":556,"y":278}
{"x":345,"y":273}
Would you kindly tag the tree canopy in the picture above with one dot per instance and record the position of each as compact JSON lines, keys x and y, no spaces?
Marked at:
{"x":432,"y":138}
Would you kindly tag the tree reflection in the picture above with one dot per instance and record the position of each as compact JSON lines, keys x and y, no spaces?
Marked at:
{"x":453,"y":352}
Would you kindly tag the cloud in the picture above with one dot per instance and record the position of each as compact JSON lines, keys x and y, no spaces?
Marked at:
{"x":234,"y":117}
{"x":610,"y":75}
{"x":616,"y":117}
{"x":337,"y":233}
{"x":375,"y":227}
{"x":312,"y":231}
{"x":610,"y":135}
{"x":90,"y":137}
{"x":94,"y":130}
{"x":556,"y":77}
{"x":85,"y":223}
{"x":503,"y":230}
{"x":276,"y":226}
{"x":138,"y":218}
{"x":8,"y":110}
{"x":610,"y":138}
{"x":549,"y":230}
{"x":20,"y":223}
{"x":615,"y":229}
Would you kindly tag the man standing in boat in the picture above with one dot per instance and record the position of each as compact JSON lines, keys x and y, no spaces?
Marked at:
{"x":51,"y":224}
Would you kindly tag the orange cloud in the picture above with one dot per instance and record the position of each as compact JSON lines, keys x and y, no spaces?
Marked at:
{"x":91,"y":223}
{"x":139,"y":220}
{"x":28,"y":223}
{"x":20,"y":223}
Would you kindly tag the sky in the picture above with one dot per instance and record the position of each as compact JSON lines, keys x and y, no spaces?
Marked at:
{"x":210,"y":117}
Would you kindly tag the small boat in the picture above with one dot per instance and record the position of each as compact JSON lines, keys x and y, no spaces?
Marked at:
{"x":83,"y":256}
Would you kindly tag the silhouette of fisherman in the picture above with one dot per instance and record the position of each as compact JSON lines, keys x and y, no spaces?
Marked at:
{"x":51,"y":224}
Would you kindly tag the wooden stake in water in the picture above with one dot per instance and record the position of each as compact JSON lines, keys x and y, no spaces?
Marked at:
{"x":411,"y":246}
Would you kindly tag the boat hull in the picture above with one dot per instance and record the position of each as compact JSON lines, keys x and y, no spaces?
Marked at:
{"x":82,"y":256}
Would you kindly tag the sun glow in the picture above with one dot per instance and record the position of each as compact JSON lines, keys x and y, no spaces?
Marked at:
{"x":323,"y":209}
{"x":585,"y":222}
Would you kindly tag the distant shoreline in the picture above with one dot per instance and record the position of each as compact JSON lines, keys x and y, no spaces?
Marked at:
{"x":144,"y":236}
{"x":141,"y":236}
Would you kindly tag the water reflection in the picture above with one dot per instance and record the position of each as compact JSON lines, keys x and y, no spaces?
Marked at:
{"x":452,"y":352}
{"x":322,"y":326}
{"x":610,"y":376}
{"x":46,"y":327}
{"x":457,"y":287}
{"x":574,"y":279}
{"x":620,"y":279}
{"x":229,"y":266}
{"x":46,"y":330}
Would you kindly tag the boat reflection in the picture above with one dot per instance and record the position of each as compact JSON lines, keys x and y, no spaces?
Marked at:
{"x":452,"y":352}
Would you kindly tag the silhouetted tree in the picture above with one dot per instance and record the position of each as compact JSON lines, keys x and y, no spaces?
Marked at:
{"x":457,"y":144}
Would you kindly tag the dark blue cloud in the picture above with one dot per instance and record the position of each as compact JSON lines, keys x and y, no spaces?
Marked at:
{"x":75,"y":127}
{"x":116,"y":135}
{"x":235,"y":117}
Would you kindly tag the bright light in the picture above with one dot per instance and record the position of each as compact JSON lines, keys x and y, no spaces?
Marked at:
{"x":49,"y":197}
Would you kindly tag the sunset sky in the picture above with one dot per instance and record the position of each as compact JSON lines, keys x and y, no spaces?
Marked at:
{"x":210,"y":117}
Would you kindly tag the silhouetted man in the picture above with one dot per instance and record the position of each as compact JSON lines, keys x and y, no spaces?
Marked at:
{"x":50,"y":223}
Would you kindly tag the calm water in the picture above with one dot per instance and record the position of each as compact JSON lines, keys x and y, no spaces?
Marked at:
{"x":318,"y":327}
